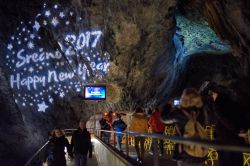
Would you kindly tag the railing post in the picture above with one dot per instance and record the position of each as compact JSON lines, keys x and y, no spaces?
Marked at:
{"x":155,"y":152}
{"x":114,"y":138}
{"x":127,"y":147}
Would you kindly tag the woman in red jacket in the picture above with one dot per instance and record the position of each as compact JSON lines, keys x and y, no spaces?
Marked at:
{"x":157,"y":127}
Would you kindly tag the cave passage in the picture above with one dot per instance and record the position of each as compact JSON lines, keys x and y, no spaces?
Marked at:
{"x":171,"y":76}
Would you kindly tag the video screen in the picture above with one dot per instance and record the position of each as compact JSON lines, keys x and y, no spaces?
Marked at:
{"x":95,"y":92}
{"x":176,"y":102}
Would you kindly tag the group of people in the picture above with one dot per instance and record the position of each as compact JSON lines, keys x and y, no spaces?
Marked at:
{"x":79,"y":147}
{"x":210,"y":105}
{"x":118,"y":125}
{"x":140,"y":123}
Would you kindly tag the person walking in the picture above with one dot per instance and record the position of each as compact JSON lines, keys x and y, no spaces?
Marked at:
{"x":139,"y":123}
{"x":57,"y":143}
{"x":188,"y":118}
{"x":81,"y":144}
{"x":119,"y":126}
{"x":105,"y":136}
{"x":157,"y":127}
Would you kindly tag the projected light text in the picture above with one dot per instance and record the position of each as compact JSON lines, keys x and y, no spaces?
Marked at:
{"x":39,"y":73}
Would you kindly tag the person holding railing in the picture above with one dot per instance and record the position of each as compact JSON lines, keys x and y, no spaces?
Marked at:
{"x":81,"y":144}
{"x":119,"y":126}
{"x":139,"y":123}
{"x":57,"y":143}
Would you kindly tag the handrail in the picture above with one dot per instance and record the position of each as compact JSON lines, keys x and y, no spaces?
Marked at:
{"x":121,"y":157}
{"x":39,"y":150}
{"x":35,"y":154}
{"x":191,"y":141}
{"x":178,"y":139}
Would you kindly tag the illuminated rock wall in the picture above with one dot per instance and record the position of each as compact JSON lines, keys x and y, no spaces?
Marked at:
{"x":50,"y":50}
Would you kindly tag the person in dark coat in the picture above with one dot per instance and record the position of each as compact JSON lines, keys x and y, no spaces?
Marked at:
{"x":191,"y":104}
{"x":105,"y":136}
{"x":230,"y":120}
{"x":81,"y":144}
{"x":56,"y":147}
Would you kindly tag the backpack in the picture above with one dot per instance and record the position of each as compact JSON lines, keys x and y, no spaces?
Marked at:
{"x":193,"y":129}
{"x":120,"y":125}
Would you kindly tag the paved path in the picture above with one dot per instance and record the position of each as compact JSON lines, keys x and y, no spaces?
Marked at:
{"x":90,"y":162}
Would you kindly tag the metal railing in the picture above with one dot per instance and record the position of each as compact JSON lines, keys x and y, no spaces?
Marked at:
{"x":29,"y":162}
{"x":218,"y":145}
{"x":34,"y":156}
{"x":181,"y":140}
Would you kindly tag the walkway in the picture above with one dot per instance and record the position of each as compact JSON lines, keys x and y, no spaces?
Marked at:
{"x":91,"y":162}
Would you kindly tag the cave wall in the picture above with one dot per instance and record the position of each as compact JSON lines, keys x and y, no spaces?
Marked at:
{"x":135,"y":34}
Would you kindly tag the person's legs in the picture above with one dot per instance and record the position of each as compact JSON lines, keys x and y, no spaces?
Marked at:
{"x":119,"y":142}
{"x":142,"y":141}
{"x":77,"y":159}
{"x":161,"y":146}
{"x":84,"y":160}
{"x":154,"y":146}
{"x":80,"y":160}
{"x":137,"y":147}
{"x":160,"y":143}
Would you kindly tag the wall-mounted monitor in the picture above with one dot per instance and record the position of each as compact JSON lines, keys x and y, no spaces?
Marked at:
{"x":95,"y":92}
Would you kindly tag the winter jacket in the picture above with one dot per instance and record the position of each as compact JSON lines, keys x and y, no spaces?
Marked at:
{"x":81,"y":142}
{"x":56,"y":155}
{"x":139,"y":123}
{"x":156,"y":123}
{"x":119,"y":126}
{"x":104,"y":124}
{"x":177,"y":116}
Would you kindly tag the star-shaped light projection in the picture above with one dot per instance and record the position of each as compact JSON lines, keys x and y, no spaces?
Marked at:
{"x":62,"y":94}
{"x":10,"y":46}
{"x":30,"y":45}
{"x":54,"y":21}
{"x":45,"y":22}
{"x":32,"y":36}
{"x":39,"y":74}
{"x":42,"y":107}
{"x":61,"y":15}
{"x":36,"y":26}
{"x":47,"y":13}
{"x":31,"y":69}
